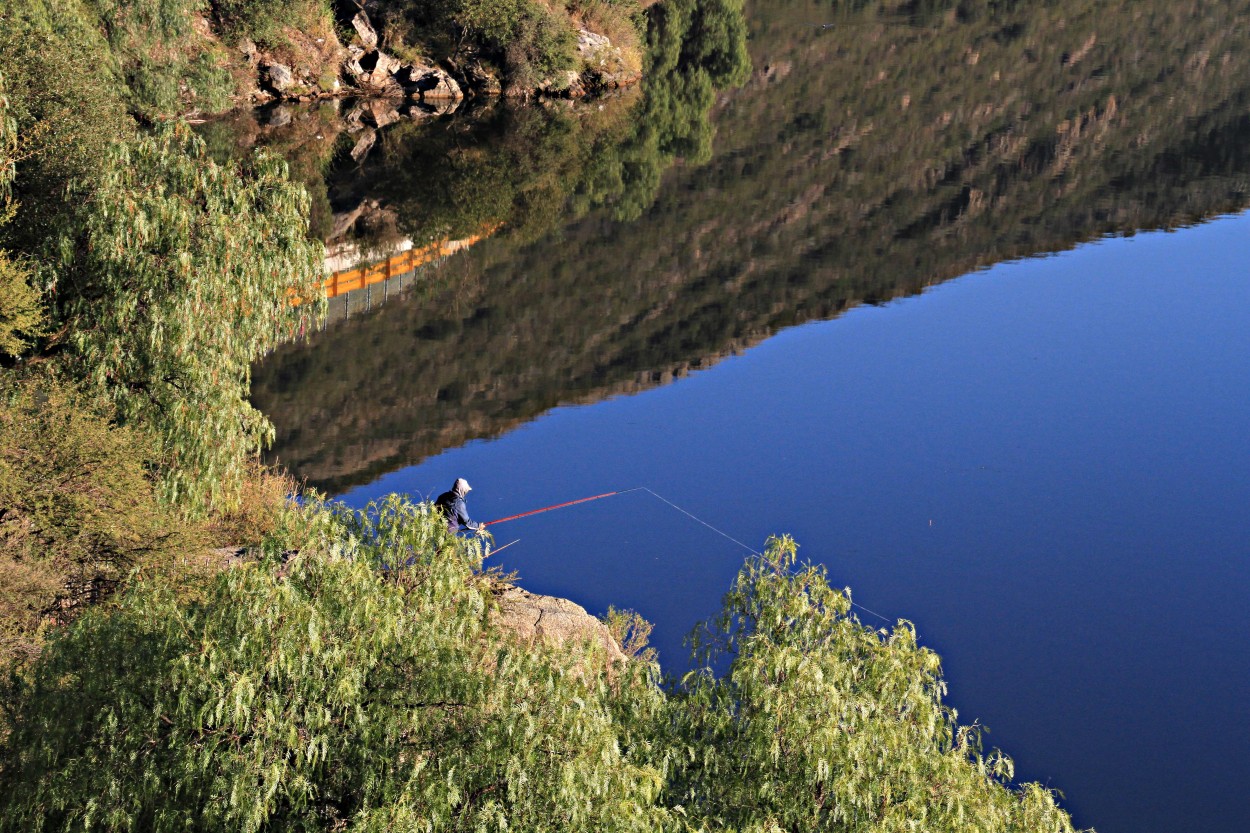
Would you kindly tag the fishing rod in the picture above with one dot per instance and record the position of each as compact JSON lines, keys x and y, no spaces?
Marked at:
{"x":504,"y":547}
{"x":663,"y":499}
{"x":557,"y":506}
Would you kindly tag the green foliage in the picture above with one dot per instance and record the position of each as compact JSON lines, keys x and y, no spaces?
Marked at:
{"x":542,"y":44}
{"x":263,"y":20}
{"x":78,"y":508}
{"x":167,"y":65}
{"x":364,"y":684}
{"x":328,"y":694}
{"x":694,"y":49}
{"x":63,"y":87}
{"x":21,"y":308}
{"x":182,"y":274}
{"x":21,"y":311}
{"x":821,"y":723}
{"x":630,"y":631}
{"x":528,"y":37}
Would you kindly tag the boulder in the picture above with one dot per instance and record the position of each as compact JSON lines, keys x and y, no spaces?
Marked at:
{"x":482,"y":80}
{"x":604,"y":65}
{"x":359,"y":151}
{"x":378,"y":63}
{"x":432,"y":83}
{"x":248,"y":48}
{"x":533,"y":618}
{"x":278,"y":116}
{"x":364,"y":30}
{"x":567,"y":83}
{"x":380,"y":112}
{"x":279,"y":77}
{"x":593,"y":48}
{"x":373,"y":72}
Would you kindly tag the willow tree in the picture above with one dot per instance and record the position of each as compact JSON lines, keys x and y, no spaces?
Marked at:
{"x":21,"y":313}
{"x":180,"y":273}
{"x":363,"y":685}
{"x":821,"y":723}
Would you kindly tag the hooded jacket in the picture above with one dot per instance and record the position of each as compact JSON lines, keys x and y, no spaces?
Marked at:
{"x":453,"y":507}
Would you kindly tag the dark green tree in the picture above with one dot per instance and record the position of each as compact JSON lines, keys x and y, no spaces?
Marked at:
{"x":21,"y":312}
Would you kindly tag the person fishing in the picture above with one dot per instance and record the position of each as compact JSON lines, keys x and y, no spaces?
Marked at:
{"x":456,"y":511}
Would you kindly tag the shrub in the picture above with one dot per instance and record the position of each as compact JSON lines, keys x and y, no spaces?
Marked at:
{"x":168,"y":66}
{"x":326,"y":694}
{"x":182,"y":273}
{"x":63,"y":89}
{"x":533,"y":41}
{"x":21,"y":309}
{"x":78,"y":509}
{"x":263,"y":20}
{"x":820,"y":723}
{"x":543,"y":43}
{"x":21,"y":313}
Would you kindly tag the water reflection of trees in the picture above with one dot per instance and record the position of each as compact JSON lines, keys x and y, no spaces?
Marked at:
{"x":859,"y":163}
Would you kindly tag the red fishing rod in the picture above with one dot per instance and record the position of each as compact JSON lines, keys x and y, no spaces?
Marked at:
{"x":557,"y":506}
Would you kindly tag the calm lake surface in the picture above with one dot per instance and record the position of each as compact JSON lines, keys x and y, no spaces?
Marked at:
{"x":918,"y":306}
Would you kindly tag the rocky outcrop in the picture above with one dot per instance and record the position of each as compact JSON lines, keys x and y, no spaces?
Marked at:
{"x":312,"y":62}
{"x":559,"y":622}
{"x":602,"y":68}
{"x":311,"y":66}
{"x":365,"y":31}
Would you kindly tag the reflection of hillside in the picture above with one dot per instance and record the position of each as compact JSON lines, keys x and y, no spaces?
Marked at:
{"x":860,"y":163}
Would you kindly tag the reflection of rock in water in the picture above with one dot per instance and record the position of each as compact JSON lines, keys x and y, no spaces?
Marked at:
{"x":812,"y":204}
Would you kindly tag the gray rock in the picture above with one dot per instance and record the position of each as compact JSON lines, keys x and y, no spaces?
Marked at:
{"x":279,"y":77}
{"x":381,"y":112}
{"x":364,"y":30}
{"x":432,"y":83}
{"x":374,"y":72}
{"x":591,"y":46}
{"x":378,"y":63}
{"x":279,"y":116}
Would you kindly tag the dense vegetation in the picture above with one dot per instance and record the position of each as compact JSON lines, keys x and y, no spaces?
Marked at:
{"x":825,"y":191}
{"x":138,"y":281}
{"x":527,"y":168}
{"x":364,"y":685}
{"x":348,"y":671}
{"x":169,"y":57}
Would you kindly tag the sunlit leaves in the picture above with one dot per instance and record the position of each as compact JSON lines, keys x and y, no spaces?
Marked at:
{"x":180,"y":277}
{"x":361,"y":684}
{"x":821,"y":723}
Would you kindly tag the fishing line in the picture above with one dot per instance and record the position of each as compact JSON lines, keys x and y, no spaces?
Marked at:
{"x":692,"y":516}
{"x":663,"y":499}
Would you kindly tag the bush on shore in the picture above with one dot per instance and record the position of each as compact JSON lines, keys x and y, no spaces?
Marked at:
{"x":363,"y":685}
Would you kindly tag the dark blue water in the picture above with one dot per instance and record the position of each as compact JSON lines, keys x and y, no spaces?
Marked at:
{"x":1045,"y":466}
